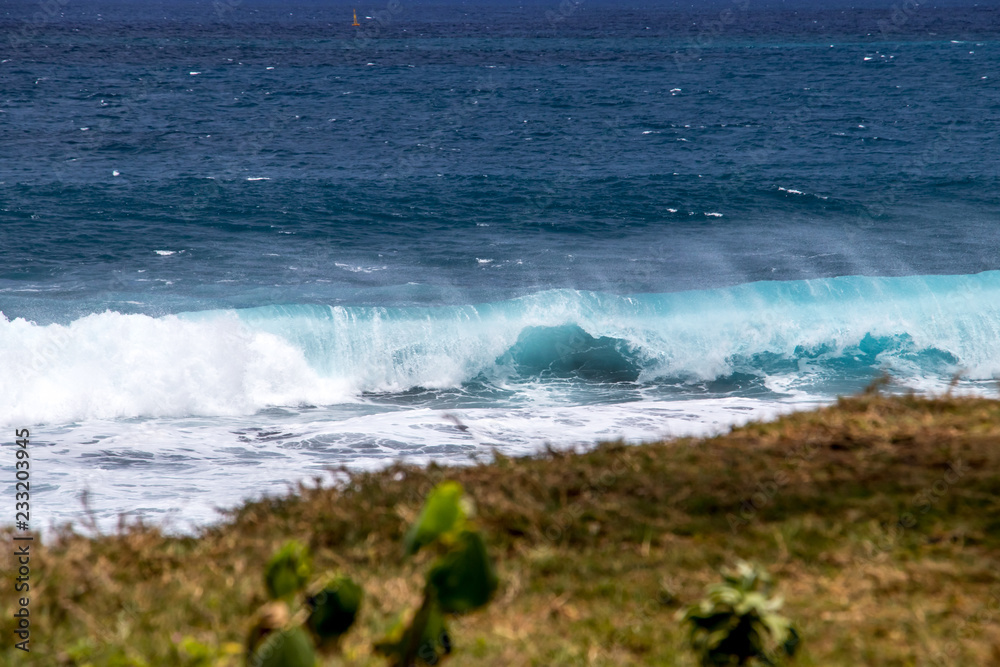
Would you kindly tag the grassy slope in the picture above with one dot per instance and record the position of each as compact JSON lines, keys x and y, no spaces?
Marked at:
{"x":878,"y":518}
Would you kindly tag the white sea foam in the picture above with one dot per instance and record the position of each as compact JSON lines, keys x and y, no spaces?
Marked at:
{"x":359,"y":269}
{"x":168,"y":416}
{"x":175,"y":472}
{"x":109,"y":365}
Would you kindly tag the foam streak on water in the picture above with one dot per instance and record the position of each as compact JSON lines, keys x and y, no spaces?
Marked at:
{"x":178,"y":471}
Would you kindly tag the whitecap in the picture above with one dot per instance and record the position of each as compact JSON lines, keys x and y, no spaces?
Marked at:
{"x":359,"y":269}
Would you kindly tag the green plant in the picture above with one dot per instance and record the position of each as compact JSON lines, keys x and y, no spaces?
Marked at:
{"x":737,"y":621}
{"x":461,"y":579}
{"x":277,"y":638}
{"x":424,"y":639}
{"x":288,"y":647}
{"x":288,"y":570}
{"x":444,"y":513}
{"x":333,"y":608}
{"x":275,"y":641}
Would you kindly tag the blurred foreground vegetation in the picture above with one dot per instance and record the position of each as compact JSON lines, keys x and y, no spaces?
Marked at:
{"x":878,"y":518}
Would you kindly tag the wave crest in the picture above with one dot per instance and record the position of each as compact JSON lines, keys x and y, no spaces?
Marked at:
{"x":110,"y":365}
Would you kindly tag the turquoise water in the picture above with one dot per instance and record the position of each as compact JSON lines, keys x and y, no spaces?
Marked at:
{"x":242,"y":242}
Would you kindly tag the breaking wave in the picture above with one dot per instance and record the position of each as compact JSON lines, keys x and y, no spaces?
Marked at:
{"x":112,"y":365}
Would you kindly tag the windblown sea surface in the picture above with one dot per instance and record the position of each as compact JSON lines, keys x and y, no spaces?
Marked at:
{"x":243,"y":243}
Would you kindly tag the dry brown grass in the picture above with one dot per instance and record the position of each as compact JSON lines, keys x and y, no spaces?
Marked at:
{"x":878,"y":517}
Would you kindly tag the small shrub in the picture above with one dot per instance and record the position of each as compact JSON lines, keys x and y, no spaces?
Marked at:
{"x":462,"y":579}
{"x":737,"y":622}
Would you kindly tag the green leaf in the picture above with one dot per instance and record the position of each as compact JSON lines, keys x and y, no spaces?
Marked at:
{"x":288,"y":570}
{"x":424,"y":641}
{"x":286,"y":648}
{"x":195,"y":654}
{"x":442,"y":513}
{"x":464,"y":578}
{"x":334,"y":608}
{"x":791,"y":645}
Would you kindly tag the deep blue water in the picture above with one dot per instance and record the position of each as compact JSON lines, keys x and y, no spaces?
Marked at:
{"x":236,"y":233}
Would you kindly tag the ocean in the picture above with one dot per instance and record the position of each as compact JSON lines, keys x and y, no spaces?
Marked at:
{"x":243,"y":242}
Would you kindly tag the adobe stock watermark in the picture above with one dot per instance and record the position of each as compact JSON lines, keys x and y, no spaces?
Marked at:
{"x":901,"y":14}
{"x":766,"y":488}
{"x":922,"y":503}
{"x":919,"y":165}
{"x":644,"y":614}
{"x":562,"y":520}
{"x":48,"y":11}
{"x":22,"y":543}
{"x":223,"y":8}
{"x":950,"y":654}
{"x":566,"y":9}
{"x":709,"y":32}
{"x":420,"y":155}
{"x":45,"y":351}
